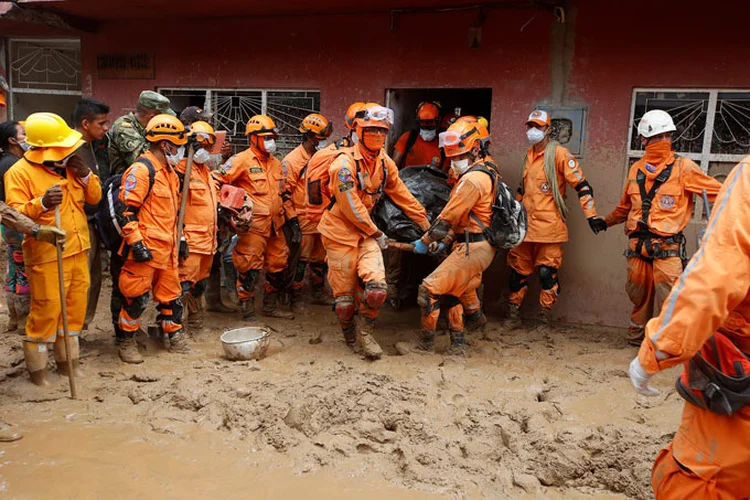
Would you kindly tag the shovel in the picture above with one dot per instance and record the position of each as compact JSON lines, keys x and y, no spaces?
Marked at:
{"x":66,"y":333}
{"x":397,"y":245}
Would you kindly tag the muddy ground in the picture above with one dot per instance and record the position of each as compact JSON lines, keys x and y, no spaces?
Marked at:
{"x":527,"y":414}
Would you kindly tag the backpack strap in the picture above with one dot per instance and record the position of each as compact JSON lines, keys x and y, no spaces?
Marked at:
{"x":493,"y":176}
{"x":647,"y":198}
{"x":413,"y":135}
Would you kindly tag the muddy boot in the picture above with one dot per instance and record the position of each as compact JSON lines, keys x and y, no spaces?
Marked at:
{"x":427,"y":342}
{"x":128,"y":351}
{"x":248,"y":309}
{"x":12,"y":315}
{"x":61,"y":357}
{"x":23,"y":306}
{"x":458,"y":344}
{"x":635,"y":336}
{"x":320,"y":297}
{"x":475,"y":321}
{"x":36,"y":362}
{"x":295,"y":300}
{"x":543,"y":321}
{"x":195,"y":313}
{"x":350,"y":337}
{"x":271,"y":307}
{"x":370,"y":347}
{"x":214,"y":303}
{"x":178,"y":342}
{"x":513,"y":321}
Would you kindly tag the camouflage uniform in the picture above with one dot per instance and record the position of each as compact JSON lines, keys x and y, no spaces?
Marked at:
{"x":127,"y":141}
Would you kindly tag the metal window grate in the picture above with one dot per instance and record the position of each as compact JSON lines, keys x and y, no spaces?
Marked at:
{"x":45,"y":66}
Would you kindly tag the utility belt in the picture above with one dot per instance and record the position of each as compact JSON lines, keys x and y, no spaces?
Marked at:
{"x":717,"y":378}
{"x":470,"y":237}
{"x":654,"y":245}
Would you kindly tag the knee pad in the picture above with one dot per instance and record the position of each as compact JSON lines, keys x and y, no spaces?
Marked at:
{"x":426,"y":301}
{"x":375,"y":294}
{"x":186,"y":287}
{"x":136,"y":306}
{"x":171,"y":312}
{"x":275,"y":280}
{"x":249,"y":279}
{"x":548,"y":277}
{"x":299,"y":272}
{"x":200,"y":287}
{"x":344,"y":307}
{"x":517,"y":280}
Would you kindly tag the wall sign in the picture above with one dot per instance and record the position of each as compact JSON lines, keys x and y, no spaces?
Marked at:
{"x":133,"y":66}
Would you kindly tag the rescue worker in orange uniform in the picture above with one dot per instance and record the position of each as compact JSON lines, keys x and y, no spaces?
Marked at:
{"x":50,"y":177}
{"x":420,"y":146}
{"x":259,"y":173}
{"x":707,"y":312}
{"x":200,"y":224}
{"x":316,"y":129}
{"x":656,"y":205}
{"x":459,"y":276}
{"x":358,"y":179}
{"x":548,"y":167}
{"x":150,"y":234}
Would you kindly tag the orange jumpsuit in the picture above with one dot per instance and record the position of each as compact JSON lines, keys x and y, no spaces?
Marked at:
{"x":200,"y":227}
{"x":25,"y":185}
{"x":421,"y":153}
{"x":460,"y":274}
{"x":264,"y":247}
{"x":313,"y":253}
{"x":709,"y":456}
{"x":156,"y":226}
{"x":547,"y":230}
{"x":356,"y":184}
{"x":651,"y":274}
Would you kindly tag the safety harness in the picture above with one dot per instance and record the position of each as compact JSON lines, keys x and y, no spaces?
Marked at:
{"x":644,"y":236}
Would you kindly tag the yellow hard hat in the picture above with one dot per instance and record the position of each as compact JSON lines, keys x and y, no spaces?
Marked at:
{"x":50,"y":138}
{"x":203,"y":132}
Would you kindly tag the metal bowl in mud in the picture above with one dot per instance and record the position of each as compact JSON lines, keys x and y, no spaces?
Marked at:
{"x":250,"y":342}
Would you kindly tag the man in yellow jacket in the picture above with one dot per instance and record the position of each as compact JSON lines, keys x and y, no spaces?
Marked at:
{"x":49,"y":177}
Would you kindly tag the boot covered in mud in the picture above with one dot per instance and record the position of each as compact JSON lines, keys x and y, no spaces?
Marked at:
{"x":295,"y":300}
{"x":458,"y":344}
{"x":370,"y":347}
{"x":248,"y":309}
{"x":475,"y":321}
{"x":427,"y":341}
{"x":23,"y":307}
{"x":196,"y":314}
{"x":35,"y":354}
{"x":178,"y":342}
{"x":543,"y":323}
{"x":635,"y":336}
{"x":213,"y":295}
{"x":128,"y":351}
{"x":513,"y":321}
{"x":271,"y":307}
{"x":61,"y":356}
{"x":319,"y":295}
{"x":12,"y":315}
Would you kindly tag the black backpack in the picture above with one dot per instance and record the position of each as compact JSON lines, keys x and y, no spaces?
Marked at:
{"x":509,"y":221}
{"x":109,"y":217}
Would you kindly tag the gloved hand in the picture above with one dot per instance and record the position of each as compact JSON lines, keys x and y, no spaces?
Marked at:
{"x":382,"y":239}
{"x":140,"y":252}
{"x":420,"y":247}
{"x":597,"y":224}
{"x":184,"y":251}
{"x":640,"y":379}
{"x":49,"y":234}
{"x":295,"y":231}
{"x":437,"y":247}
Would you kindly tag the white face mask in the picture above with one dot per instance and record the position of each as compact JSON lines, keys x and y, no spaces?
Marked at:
{"x":535,"y":135}
{"x":460,"y":166}
{"x":427,"y":135}
{"x":201,"y":156}
{"x":269,"y":145}
{"x":174,"y":159}
{"x":355,"y":138}
{"x":321,"y":145}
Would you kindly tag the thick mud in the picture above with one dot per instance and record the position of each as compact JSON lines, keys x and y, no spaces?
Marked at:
{"x":527,"y":414}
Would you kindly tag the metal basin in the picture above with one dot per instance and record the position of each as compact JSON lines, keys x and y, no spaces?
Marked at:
{"x":250,"y":342}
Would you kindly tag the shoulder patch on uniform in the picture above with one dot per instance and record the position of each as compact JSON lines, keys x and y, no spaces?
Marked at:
{"x":571,"y":163}
{"x":130,"y":182}
{"x":226,"y":167}
{"x":345,"y":175}
{"x":346,"y":186}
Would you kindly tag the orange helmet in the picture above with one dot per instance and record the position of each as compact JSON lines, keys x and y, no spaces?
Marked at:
{"x":374,"y":115}
{"x":351,"y":114}
{"x":261,"y":125}
{"x":316,"y":124}
{"x":428,"y":111}
{"x":203,"y":132}
{"x":461,"y":137}
{"x":166,"y":127}
{"x":474,"y":119}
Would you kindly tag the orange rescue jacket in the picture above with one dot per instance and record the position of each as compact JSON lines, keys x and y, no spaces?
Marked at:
{"x":546,"y":225}
{"x":295,"y":164}
{"x":356,"y":184}
{"x":472,"y":193}
{"x":25,"y":185}
{"x":156,"y":212}
{"x":201,"y":216}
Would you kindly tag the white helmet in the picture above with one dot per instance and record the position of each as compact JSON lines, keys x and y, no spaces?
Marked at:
{"x":655,"y":122}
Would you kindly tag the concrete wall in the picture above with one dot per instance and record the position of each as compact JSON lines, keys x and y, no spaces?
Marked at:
{"x":596,"y":58}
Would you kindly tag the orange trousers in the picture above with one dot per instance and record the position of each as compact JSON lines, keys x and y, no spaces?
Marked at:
{"x":195,"y":268}
{"x":709,"y":457}
{"x":137,"y":279}
{"x":349,"y":267}
{"x":45,"y":317}
{"x":458,"y":276}
{"x":524,"y":259}
{"x":255,"y":252}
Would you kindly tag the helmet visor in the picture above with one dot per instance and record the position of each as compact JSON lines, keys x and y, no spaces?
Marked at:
{"x":448,"y":138}
{"x":380,"y":114}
